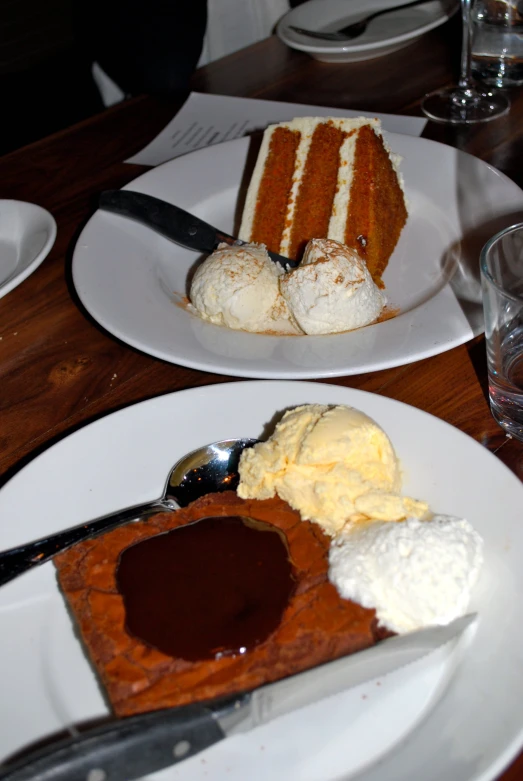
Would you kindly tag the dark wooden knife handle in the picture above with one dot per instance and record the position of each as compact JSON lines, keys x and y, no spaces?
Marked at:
{"x":170,"y":221}
{"x":123,"y":750}
{"x":173,"y":223}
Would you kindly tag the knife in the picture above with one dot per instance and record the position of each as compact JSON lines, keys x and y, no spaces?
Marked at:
{"x":138,"y":745}
{"x":173,"y":222}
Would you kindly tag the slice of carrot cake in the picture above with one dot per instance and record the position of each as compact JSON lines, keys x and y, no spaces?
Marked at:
{"x":326,"y":178}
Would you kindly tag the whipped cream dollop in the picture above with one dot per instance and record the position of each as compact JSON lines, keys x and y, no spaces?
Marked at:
{"x":237,"y":286}
{"x":414,"y":573}
{"x":331,"y":290}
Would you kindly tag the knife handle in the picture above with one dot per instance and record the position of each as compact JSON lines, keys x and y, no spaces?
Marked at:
{"x":174,"y":223}
{"x":123,"y":750}
{"x":170,"y":221}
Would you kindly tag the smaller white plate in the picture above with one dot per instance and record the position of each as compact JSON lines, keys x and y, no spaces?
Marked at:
{"x":383,"y":35}
{"x":27,"y":233}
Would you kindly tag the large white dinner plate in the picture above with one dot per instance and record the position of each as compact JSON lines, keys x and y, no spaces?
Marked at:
{"x":131,"y":279}
{"x":454,"y":715}
{"x":382,"y":36}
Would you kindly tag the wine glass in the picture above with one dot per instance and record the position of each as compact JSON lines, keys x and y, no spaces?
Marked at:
{"x":466,"y":103}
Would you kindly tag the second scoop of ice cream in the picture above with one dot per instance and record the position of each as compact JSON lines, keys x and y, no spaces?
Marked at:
{"x":334,"y":465}
{"x":331,"y":290}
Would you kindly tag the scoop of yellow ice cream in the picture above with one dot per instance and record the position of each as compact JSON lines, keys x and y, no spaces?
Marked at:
{"x":334,"y":465}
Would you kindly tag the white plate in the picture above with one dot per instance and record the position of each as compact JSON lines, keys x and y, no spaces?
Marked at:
{"x":126,"y":275}
{"x":27,"y":233}
{"x":454,"y":715}
{"x":383,"y":35}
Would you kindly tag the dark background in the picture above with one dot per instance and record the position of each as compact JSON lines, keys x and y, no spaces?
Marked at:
{"x":47,"y":48}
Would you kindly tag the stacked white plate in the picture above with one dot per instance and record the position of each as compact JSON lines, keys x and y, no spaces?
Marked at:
{"x":382,"y":36}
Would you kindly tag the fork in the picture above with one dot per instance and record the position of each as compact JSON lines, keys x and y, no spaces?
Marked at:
{"x":356,"y":29}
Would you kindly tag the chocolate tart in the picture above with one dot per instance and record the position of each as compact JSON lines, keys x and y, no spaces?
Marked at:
{"x":317,"y":624}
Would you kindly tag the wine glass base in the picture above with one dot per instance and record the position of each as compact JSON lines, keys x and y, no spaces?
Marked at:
{"x":464,"y":105}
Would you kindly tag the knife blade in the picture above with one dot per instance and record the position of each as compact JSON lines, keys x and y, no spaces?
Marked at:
{"x":173,"y":223}
{"x":135,"y":746}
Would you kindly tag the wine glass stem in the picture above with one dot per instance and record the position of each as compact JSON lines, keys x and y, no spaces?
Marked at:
{"x":466,"y":16}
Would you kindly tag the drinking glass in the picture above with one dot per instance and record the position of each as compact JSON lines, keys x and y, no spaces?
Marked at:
{"x":497,"y":43}
{"x":466,"y":103}
{"x":501,"y":264}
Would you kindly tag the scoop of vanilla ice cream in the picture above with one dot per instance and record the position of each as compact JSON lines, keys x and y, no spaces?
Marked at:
{"x":334,"y":465}
{"x":413,"y":573}
{"x":237,"y":286}
{"x":331,"y":290}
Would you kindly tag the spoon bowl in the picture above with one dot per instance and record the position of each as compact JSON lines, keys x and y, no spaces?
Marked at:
{"x":209,"y":469}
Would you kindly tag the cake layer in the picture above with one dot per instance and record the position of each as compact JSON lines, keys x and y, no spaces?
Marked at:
{"x":326,"y":178}
{"x":317,"y":625}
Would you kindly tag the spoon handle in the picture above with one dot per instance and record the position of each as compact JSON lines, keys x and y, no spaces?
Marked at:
{"x":16,"y":561}
{"x":383,"y":11}
{"x":354,"y":29}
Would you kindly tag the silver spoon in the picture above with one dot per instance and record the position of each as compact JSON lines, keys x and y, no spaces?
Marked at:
{"x":210,"y":469}
{"x":355,"y":29}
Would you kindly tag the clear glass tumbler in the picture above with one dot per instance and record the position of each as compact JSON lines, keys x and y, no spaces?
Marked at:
{"x":502,"y":284}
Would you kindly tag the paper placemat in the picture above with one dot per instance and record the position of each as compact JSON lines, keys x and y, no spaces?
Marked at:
{"x":210,"y":119}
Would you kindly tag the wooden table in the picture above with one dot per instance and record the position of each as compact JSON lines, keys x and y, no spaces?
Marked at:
{"x":60,"y":370}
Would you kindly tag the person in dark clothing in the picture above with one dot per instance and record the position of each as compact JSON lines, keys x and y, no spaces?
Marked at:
{"x":48,"y":47}
{"x":148,"y":47}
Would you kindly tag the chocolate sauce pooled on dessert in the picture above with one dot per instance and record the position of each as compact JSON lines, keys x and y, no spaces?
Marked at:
{"x":215,"y":587}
